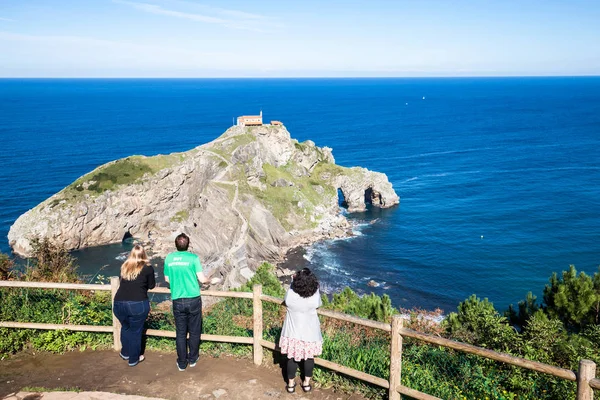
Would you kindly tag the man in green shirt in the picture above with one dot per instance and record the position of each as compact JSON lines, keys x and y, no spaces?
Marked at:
{"x":183,"y":271}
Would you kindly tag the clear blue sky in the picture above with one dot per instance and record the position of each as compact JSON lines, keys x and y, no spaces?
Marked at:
{"x":275,"y":38}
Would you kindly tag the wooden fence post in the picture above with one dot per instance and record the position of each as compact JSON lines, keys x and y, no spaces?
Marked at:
{"x":114,"y":286}
{"x":395,"y":357}
{"x":258,"y":324}
{"x":587,"y":372}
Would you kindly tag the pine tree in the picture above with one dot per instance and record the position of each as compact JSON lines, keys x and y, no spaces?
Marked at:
{"x":526,"y":307}
{"x":572,"y":298}
{"x":477,"y":322}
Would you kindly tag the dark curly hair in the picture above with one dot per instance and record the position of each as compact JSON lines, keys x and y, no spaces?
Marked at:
{"x":305,"y":283}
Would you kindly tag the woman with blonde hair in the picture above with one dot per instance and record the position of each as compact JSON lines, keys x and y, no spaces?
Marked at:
{"x":131,"y":306}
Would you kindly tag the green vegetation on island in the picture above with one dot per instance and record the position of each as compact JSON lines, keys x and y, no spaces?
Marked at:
{"x":125,"y":171}
{"x":232,"y":144}
{"x":287,"y":195}
{"x":180,"y":216}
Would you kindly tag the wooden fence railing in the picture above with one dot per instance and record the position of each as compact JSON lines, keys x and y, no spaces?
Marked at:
{"x":585,"y":376}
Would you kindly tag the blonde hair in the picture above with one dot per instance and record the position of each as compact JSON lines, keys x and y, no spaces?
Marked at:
{"x":132,"y":267}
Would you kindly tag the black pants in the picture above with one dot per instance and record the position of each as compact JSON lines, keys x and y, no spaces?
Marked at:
{"x":188,"y":319}
{"x":306,"y":368}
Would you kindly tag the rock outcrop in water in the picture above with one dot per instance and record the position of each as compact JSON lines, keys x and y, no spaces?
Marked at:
{"x":244,"y":198}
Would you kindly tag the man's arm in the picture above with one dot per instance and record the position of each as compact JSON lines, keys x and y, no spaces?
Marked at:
{"x":201,"y":277}
{"x":166,"y":271}
{"x":204,"y":279}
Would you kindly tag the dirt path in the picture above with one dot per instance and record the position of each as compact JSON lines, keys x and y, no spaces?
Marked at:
{"x":241,"y":239}
{"x":240,"y":242}
{"x":225,"y":378}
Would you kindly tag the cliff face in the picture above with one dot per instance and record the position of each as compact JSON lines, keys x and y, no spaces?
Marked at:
{"x":244,"y":198}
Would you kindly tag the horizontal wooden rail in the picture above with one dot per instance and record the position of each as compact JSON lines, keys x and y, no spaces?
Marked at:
{"x":267,"y":344}
{"x":339,"y":368}
{"x":340,"y":316}
{"x":467,"y":348}
{"x":415,"y":394}
{"x":32,"y":325}
{"x":213,"y":293}
{"x":227,"y":339}
{"x":161,"y":290}
{"x":83,"y":286}
{"x":206,"y":337}
{"x":216,"y":293}
{"x":595,"y":383}
{"x":353,"y":373}
{"x":356,"y":320}
{"x":51,"y":285}
{"x":271,"y":299}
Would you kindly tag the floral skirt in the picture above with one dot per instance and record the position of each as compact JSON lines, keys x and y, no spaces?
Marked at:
{"x":299,"y":349}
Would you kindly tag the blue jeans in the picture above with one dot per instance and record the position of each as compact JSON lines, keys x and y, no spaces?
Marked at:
{"x":188,"y":319}
{"x":132,"y":316}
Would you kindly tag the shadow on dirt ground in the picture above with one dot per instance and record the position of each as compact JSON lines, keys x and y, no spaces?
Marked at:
{"x":157,"y":376}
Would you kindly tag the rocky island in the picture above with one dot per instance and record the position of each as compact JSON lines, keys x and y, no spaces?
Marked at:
{"x":244,"y":198}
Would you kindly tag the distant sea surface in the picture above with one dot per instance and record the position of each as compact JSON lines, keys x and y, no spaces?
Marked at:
{"x":499,"y":178}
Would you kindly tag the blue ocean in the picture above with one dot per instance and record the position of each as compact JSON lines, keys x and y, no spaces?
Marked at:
{"x":499,"y":178}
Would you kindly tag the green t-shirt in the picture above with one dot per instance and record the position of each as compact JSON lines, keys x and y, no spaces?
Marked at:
{"x":181,"y":268}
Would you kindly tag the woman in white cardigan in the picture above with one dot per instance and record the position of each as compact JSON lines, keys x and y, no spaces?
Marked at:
{"x":301,"y":336}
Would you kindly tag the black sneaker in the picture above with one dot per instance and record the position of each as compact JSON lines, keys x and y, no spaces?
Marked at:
{"x":179,"y":368}
{"x":193,"y":363}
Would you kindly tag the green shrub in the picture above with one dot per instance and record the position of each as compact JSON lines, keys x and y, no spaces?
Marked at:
{"x":59,"y":341}
{"x":265,"y":276}
{"x":50,"y":262}
{"x":14,"y":340}
{"x":367,"y":354}
{"x":6,"y":266}
{"x":477,"y":322}
{"x":53,"y":306}
{"x":91,"y":309}
{"x":368,"y":306}
{"x":574,"y":298}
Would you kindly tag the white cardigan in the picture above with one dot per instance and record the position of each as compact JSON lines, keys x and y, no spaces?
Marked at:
{"x":301,"y":320}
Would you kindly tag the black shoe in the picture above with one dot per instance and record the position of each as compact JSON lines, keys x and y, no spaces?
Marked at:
{"x":306,"y":388}
{"x":142,"y":358}
{"x":291,"y":389}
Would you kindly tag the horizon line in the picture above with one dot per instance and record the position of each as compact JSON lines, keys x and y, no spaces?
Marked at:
{"x":305,"y":77}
